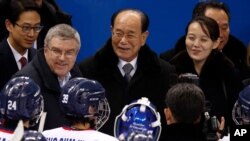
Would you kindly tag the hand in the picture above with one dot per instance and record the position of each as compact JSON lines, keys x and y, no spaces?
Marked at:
{"x":221,"y":127}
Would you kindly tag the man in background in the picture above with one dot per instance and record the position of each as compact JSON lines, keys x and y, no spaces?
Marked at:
{"x":23,"y":23}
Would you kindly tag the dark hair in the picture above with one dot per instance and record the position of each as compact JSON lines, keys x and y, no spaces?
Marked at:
{"x":9,"y":123}
{"x":186,"y":102}
{"x":83,"y":120}
{"x":201,"y":7}
{"x":208,"y":25}
{"x":17,"y":7}
{"x":144,"y":18}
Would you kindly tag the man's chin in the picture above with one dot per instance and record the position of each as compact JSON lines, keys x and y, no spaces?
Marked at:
{"x":28,"y":46}
{"x":61,"y":75}
{"x":220,"y":47}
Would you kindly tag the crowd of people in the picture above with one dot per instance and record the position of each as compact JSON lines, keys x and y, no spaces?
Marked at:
{"x":125,"y":91}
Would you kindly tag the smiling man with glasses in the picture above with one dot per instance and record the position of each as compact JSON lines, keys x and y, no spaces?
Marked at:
{"x":127,"y":67}
{"x":23,"y":23}
{"x":52,"y":67}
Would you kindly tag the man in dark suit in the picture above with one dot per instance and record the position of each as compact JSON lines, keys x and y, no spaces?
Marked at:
{"x":23,"y":25}
{"x":150,"y":76}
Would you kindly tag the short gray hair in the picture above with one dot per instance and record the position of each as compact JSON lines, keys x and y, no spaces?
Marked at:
{"x":64,"y":32}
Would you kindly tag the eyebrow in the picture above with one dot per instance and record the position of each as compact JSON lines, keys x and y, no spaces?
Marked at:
{"x":54,"y":47}
{"x":31,"y":24}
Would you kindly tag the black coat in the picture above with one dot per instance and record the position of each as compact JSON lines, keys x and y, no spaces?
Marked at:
{"x":40,"y":72}
{"x":217,"y":73}
{"x":235,"y":50}
{"x":3,"y":14}
{"x":152,"y":79}
{"x":8,"y":63}
{"x":184,"y":132}
{"x":51,"y":15}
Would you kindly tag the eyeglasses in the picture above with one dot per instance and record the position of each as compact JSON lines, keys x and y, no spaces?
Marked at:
{"x":120,"y":35}
{"x":57,"y":52}
{"x":27,"y":28}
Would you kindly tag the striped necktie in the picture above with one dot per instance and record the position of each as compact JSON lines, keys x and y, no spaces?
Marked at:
{"x":23,"y":61}
{"x":127,"y":68}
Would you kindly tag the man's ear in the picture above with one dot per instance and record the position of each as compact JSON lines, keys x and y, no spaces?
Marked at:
{"x":168,"y":115}
{"x":8,"y":25}
{"x":111,"y":29}
{"x":144,"y":37}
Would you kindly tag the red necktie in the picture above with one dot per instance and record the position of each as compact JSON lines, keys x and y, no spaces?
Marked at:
{"x":23,"y":61}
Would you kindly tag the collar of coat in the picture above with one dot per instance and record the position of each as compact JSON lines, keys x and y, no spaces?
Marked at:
{"x":147,"y":59}
{"x":216,"y":65}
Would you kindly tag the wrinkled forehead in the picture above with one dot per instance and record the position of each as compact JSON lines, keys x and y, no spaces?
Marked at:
{"x":64,"y":42}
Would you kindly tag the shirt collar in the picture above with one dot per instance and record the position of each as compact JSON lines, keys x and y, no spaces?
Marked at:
{"x":17,"y":55}
{"x":133,"y":63}
{"x":64,"y":80}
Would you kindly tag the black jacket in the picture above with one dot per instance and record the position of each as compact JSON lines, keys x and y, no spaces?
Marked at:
{"x":152,"y":79}
{"x":218,"y":80}
{"x":8,"y":63}
{"x":184,"y":132}
{"x":40,"y":72}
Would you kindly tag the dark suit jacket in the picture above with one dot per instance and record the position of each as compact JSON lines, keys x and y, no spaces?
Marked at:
{"x":8,"y":63}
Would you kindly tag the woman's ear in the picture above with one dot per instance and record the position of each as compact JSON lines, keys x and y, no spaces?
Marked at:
{"x":216,"y":43}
